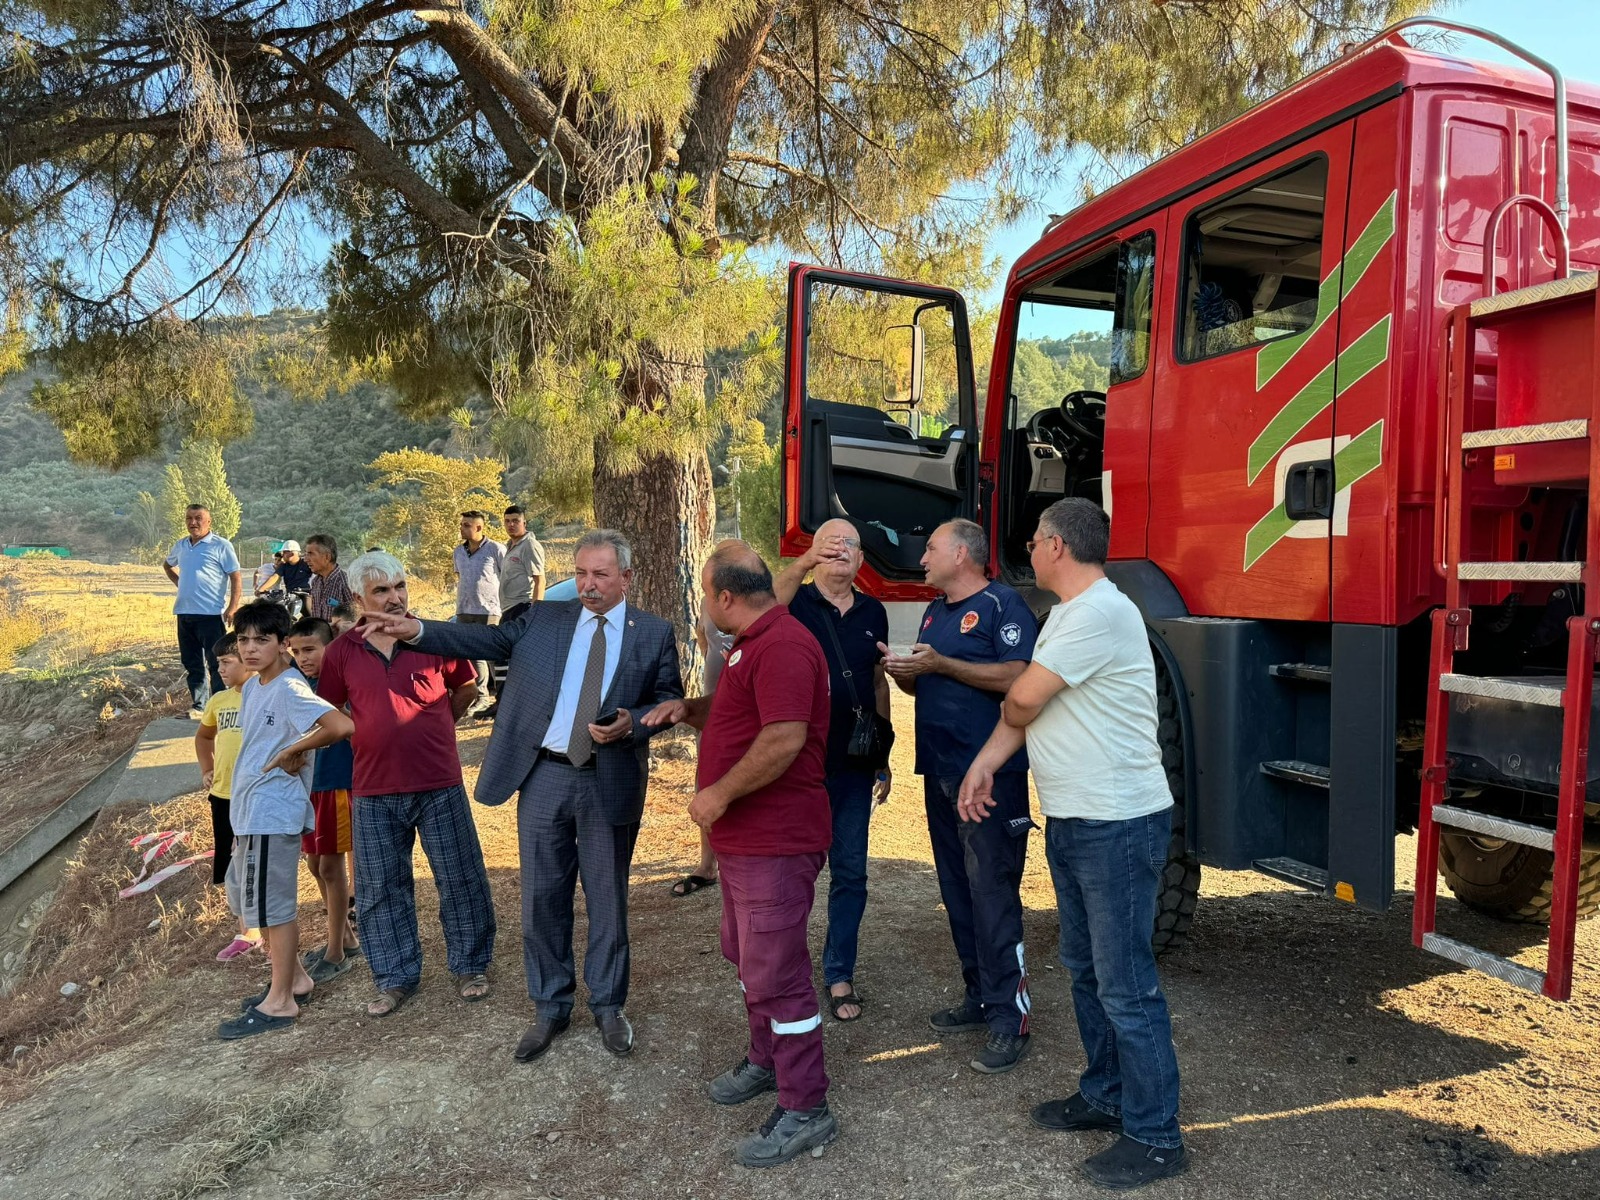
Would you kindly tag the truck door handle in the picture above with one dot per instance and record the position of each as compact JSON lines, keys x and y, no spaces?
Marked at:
{"x":1308,"y":491}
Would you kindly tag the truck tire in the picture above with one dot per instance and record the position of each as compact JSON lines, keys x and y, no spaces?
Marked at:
{"x":1180,"y":883}
{"x":1510,"y":881}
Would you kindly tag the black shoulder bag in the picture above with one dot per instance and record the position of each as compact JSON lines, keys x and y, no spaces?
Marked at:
{"x":872,"y":736}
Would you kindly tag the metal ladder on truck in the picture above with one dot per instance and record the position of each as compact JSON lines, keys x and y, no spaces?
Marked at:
{"x":1523,"y":322}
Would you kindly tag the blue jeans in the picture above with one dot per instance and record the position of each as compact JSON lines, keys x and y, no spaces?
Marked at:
{"x":1107,"y":876}
{"x":850,"y":794}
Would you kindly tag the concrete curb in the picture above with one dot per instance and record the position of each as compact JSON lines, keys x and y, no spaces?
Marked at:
{"x":56,"y":828}
{"x":160,"y":767}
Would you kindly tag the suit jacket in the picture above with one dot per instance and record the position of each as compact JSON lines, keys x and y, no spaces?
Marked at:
{"x":535,"y":646}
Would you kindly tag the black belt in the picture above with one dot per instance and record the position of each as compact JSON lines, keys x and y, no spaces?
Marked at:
{"x":564,"y":760}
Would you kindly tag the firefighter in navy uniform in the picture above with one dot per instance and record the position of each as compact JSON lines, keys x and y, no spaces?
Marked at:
{"x":972,"y":645}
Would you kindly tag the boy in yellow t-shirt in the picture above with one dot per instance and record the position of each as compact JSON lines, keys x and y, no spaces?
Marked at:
{"x":216,"y":745}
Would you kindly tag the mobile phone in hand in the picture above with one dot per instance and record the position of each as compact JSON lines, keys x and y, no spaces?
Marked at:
{"x":607,"y":718}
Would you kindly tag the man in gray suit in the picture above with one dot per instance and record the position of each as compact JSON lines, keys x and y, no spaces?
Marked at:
{"x":570,"y":739}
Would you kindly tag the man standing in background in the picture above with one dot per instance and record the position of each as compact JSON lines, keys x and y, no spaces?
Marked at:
{"x":206,"y":571}
{"x":522,"y":572}
{"x":329,"y":588}
{"x":478,"y":561}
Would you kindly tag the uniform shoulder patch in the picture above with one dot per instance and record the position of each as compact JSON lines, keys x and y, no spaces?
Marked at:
{"x":1011,"y":633}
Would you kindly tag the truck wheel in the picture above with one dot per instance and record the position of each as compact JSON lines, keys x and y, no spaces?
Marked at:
{"x":1510,"y":881}
{"x":1180,"y":883}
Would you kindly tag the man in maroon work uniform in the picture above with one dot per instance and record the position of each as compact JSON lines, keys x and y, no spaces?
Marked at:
{"x":761,"y":796}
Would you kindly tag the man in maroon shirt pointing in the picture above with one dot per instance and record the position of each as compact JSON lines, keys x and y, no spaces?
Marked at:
{"x":762,"y":798}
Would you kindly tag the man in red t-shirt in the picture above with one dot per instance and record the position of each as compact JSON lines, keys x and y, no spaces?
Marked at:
{"x":761,"y":796}
{"x":407,"y":784}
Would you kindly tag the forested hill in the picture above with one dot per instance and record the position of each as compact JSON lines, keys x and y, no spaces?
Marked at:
{"x":303,"y":468}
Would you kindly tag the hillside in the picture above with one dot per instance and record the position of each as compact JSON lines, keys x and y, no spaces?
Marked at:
{"x":304,"y":466}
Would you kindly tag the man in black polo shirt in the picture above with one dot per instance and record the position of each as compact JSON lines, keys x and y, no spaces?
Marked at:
{"x":848,"y":626}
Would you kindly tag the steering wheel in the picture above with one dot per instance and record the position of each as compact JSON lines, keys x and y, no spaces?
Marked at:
{"x":1044,"y":427}
{"x":1084,"y":412}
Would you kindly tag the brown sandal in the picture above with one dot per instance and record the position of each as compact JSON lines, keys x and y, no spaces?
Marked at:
{"x":390,"y":1001}
{"x":472,"y":984}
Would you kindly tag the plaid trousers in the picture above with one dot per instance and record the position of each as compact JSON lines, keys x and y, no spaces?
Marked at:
{"x":384,"y":832}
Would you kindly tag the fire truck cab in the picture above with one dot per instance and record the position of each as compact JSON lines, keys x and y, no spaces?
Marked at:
{"x":1261,"y":348}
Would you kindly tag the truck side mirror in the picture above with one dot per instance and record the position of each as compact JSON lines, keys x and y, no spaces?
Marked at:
{"x":902,"y":362}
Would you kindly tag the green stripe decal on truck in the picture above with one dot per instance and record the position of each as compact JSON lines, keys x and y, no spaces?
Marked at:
{"x":1358,"y":360}
{"x":1355,"y":461}
{"x":1341,"y":281}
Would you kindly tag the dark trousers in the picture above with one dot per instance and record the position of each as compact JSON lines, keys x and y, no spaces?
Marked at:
{"x":197,"y":633}
{"x":766,"y":900}
{"x":980,"y":880}
{"x":383,"y":833}
{"x":1108,"y":880}
{"x":562,"y":838}
{"x":850,"y":796}
{"x":222,"y":837}
{"x":481,"y":665}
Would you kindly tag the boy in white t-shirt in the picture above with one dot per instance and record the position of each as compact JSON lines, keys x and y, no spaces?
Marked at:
{"x":1086,"y":707}
{"x":281,"y":721}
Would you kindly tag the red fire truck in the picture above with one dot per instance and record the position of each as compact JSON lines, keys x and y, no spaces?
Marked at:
{"x":1331,"y":370}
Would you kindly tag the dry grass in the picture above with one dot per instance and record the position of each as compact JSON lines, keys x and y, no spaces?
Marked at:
{"x":126,"y":956}
{"x":244,"y":1129}
{"x":22,"y":624}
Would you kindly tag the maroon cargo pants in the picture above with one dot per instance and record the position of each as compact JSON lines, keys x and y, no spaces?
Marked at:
{"x":766,"y":901}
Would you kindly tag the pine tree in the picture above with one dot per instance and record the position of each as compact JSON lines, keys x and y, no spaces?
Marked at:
{"x":544,"y":209}
{"x":420,"y":521}
{"x":206,"y":478}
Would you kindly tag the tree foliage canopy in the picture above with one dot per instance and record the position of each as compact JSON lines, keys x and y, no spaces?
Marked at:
{"x":547,"y":207}
{"x":420,"y":522}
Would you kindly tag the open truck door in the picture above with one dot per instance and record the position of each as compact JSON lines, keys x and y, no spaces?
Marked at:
{"x":880,"y":418}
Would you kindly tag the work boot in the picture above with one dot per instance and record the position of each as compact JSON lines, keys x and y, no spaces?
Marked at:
{"x":1130,"y":1164}
{"x":963,"y":1017}
{"x":1072,"y":1115}
{"x":744,"y":1082}
{"x":1001,"y":1052}
{"x":786,"y":1133}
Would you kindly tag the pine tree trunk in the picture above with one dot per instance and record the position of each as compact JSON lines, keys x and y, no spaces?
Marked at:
{"x":665,"y":507}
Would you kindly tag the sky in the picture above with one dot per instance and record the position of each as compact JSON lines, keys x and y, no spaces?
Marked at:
{"x":1562,"y":33}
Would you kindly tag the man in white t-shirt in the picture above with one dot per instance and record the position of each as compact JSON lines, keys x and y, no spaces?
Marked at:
{"x":1086,"y":707}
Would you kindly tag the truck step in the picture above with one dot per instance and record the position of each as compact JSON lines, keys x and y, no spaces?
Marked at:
{"x":1525,"y":689}
{"x":1482,"y":960}
{"x":1292,"y":870}
{"x":1521,"y":572}
{"x":1305,"y":672}
{"x":1497,"y":827}
{"x":1524,"y":435}
{"x":1296,"y":771}
{"x":1538,"y":293}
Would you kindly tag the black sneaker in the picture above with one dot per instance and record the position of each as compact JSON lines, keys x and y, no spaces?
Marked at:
{"x":958,"y":1020}
{"x":1072,"y":1115}
{"x":744,"y":1082}
{"x":1130,"y":1164}
{"x":1001,"y":1052}
{"x":787,"y":1133}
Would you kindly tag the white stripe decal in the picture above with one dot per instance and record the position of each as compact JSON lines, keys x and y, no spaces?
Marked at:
{"x":803,"y":1026}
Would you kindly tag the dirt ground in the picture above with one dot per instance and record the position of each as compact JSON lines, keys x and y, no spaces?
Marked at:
{"x":1321,"y":1054}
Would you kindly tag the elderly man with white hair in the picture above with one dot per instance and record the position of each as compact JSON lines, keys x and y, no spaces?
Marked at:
{"x":407,"y":784}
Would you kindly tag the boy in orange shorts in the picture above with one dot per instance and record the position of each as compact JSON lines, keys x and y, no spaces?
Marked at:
{"x":327,"y":846}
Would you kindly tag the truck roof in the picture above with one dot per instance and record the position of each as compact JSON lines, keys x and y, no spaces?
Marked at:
{"x":1336,"y":92}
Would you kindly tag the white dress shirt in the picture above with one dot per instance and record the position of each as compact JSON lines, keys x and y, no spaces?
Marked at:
{"x":555,"y":738}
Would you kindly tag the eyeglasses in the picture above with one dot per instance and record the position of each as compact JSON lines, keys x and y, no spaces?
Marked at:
{"x":1032,"y":542}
